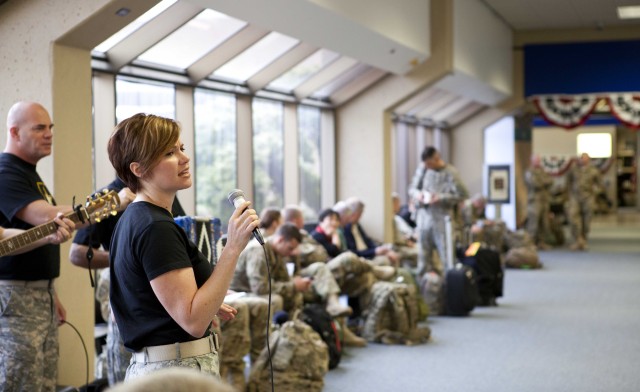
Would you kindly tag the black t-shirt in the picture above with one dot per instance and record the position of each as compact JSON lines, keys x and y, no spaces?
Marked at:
{"x":100,"y":233}
{"x":146,"y":244}
{"x":21,"y":185}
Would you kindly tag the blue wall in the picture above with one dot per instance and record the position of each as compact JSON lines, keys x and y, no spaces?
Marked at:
{"x":578,"y":68}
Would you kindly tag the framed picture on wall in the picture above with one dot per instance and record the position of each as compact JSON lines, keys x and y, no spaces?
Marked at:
{"x":499,"y":186}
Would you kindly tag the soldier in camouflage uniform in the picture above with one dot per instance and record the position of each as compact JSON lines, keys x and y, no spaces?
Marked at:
{"x":251,"y":274}
{"x":436,"y":188}
{"x":538,"y":184}
{"x":582,"y":181}
{"x":354,"y":275}
{"x":30,"y":310}
{"x":404,"y":236}
{"x":245,"y":334}
{"x":118,"y":357}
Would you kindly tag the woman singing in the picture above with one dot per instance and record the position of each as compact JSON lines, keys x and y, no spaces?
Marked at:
{"x":164,"y":293}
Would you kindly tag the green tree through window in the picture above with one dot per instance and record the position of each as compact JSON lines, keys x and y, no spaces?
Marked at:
{"x":215,"y":153}
{"x":268,"y":160}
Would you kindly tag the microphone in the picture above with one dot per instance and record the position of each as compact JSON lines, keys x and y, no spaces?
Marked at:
{"x":236,"y":197}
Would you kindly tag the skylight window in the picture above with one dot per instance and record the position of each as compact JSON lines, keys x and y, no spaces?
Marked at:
{"x":133,"y":26}
{"x":258,"y":56}
{"x":301,"y":72}
{"x":341,"y":81}
{"x":193,"y":40}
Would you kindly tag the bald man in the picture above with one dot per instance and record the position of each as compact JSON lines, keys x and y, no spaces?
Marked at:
{"x":28,"y":325}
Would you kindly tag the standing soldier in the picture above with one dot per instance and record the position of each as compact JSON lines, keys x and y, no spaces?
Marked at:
{"x":436,"y":188}
{"x":538,"y":198}
{"x":30,"y":310}
{"x":582,"y":182}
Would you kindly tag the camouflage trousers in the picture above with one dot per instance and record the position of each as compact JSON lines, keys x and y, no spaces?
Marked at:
{"x":324,"y":284}
{"x":580,"y":212}
{"x":28,"y":339}
{"x":408,"y":255}
{"x":538,"y":220}
{"x":352,"y":273}
{"x":118,"y":358}
{"x":207,"y":363}
{"x":431,"y":237}
{"x":245,"y":334}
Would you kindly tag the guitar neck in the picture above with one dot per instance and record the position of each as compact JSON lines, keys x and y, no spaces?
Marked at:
{"x":36,"y":233}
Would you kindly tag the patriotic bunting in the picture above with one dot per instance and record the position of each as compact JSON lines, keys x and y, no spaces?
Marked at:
{"x":556,"y":165}
{"x":571,"y":111}
{"x":566,"y":111}
{"x":626,"y":108}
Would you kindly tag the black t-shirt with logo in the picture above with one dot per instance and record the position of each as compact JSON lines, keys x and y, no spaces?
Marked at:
{"x":21,"y":185}
{"x":146,"y":244}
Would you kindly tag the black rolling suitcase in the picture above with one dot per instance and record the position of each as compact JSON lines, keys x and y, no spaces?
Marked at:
{"x":489,"y":274}
{"x":461,"y":292}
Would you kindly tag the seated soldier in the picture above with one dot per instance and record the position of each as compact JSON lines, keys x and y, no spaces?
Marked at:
{"x":404,"y":236}
{"x":290,"y":292}
{"x":353,"y":274}
{"x":359,"y":242}
{"x":245,"y":334}
{"x":478,"y":227}
{"x":270,"y":220}
{"x":242,"y":335}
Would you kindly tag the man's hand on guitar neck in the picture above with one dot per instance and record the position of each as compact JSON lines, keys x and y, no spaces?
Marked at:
{"x":65,"y":229}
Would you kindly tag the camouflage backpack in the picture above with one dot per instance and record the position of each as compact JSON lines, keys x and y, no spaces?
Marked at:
{"x":300,"y":360}
{"x":525,"y":257}
{"x":392,"y":315}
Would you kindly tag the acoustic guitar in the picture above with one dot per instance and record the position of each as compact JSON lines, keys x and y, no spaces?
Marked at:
{"x":98,"y":206}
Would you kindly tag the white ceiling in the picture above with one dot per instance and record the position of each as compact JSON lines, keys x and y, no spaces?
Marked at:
{"x":341,"y":80}
{"x":561,"y":14}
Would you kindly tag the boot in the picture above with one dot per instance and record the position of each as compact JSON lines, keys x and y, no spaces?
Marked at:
{"x":582,"y":243}
{"x":335,"y":308}
{"x":542,"y":246}
{"x":384,"y":272}
{"x":575,"y":245}
{"x":350,"y":339}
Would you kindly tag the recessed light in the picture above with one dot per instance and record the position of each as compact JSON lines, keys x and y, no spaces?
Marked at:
{"x":123,"y":11}
{"x":629,"y":12}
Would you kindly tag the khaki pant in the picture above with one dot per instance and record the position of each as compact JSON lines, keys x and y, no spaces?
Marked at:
{"x":28,"y":339}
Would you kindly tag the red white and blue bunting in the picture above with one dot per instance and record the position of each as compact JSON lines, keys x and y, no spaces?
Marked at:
{"x":626,"y":108}
{"x":557,"y":166}
{"x":571,"y":111}
{"x":566,"y":111}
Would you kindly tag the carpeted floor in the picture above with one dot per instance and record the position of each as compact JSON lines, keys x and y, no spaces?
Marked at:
{"x":572,"y":326}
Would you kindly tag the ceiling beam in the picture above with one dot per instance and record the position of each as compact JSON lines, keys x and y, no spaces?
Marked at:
{"x":324,"y":76}
{"x":280,"y":66}
{"x":151,"y":33}
{"x":224,"y":52}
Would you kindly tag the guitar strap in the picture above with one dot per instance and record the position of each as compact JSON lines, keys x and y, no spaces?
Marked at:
{"x":77,"y":208}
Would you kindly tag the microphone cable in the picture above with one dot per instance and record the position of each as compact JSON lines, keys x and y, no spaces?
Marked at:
{"x":84,"y":346}
{"x":266,"y":258}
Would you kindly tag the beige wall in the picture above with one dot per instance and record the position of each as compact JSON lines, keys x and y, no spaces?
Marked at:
{"x":468,"y":138}
{"x":35,"y":68}
{"x":363,"y":128}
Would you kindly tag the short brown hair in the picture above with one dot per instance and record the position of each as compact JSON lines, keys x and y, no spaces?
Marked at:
{"x":269,"y":216}
{"x":141,"y":138}
{"x":289,"y":232}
